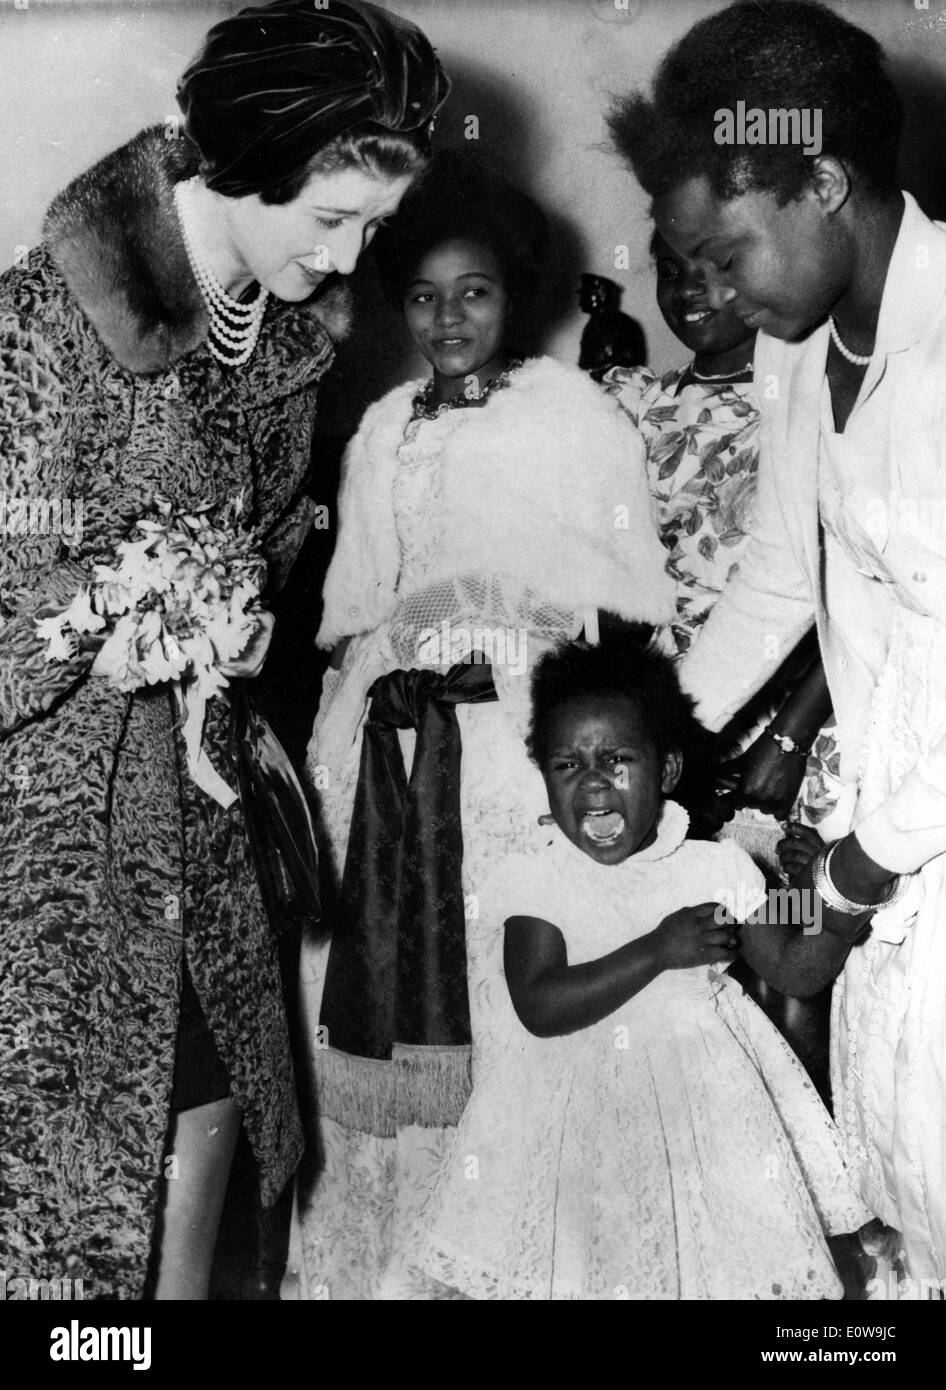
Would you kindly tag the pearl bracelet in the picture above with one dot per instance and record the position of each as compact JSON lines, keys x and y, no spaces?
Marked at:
{"x":829,"y":895}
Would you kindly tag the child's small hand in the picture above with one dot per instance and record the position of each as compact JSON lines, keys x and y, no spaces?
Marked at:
{"x":798,"y":849}
{"x":695,"y":936}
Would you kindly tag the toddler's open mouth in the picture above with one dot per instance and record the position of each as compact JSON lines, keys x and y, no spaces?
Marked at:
{"x":603,"y":827}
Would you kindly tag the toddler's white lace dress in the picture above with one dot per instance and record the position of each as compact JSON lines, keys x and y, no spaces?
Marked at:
{"x":674,"y":1150}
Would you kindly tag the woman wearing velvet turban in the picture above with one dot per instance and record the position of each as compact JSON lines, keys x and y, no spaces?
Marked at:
{"x":167,"y":337}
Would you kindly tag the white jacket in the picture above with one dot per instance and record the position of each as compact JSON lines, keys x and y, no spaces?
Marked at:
{"x":780,"y":586}
{"x":546,"y":484}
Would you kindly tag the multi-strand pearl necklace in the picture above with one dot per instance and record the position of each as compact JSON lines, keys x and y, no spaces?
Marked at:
{"x":234,"y":327}
{"x":854,"y":358}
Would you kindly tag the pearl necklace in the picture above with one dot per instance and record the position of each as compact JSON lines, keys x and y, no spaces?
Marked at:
{"x":234,"y":327}
{"x":854,"y":358}
{"x":723,"y":376}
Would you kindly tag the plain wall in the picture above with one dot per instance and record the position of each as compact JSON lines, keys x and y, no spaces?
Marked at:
{"x":77,"y":79}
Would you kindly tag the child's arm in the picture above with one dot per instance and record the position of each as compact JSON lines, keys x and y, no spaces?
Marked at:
{"x":798,"y":849}
{"x":552,"y":997}
{"x":790,"y":961}
{"x":785,"y":943}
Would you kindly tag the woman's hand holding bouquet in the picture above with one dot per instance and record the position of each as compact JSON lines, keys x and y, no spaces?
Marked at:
{"x":181,"y":604}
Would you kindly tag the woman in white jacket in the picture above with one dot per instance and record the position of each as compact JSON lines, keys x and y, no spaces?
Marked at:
{"x":484,"y":514}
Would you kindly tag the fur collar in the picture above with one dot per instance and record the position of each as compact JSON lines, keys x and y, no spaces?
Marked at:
{"x":114,"y":237}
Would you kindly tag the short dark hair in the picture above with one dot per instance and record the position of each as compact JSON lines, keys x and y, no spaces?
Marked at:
{"x":788,"y":54}
{"x":383,"y":154}
{"x":459,"y":199}
{"x":626,"y":665}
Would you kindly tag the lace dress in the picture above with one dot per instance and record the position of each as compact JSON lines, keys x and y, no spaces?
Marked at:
{"x":702,"y":457}
{"x":888,"y":1026}
{"x":675,"y":1149}
{"x":381,"y":1128}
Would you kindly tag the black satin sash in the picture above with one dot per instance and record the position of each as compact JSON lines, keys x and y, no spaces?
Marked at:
{"x":397,"y":964}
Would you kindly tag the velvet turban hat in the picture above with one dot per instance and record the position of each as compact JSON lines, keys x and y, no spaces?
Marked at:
{"x":274,"y":83}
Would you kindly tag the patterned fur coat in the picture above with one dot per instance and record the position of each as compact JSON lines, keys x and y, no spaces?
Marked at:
{"x":111,"y":861}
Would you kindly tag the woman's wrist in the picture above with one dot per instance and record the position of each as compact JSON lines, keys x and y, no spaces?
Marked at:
{"x":843,"y":926}
{"x":788,"y":743}
{"x":848,"y":905}
{"x":856,"y":875}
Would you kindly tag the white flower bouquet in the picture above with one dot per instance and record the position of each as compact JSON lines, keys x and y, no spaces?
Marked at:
{"x":179,"y":603}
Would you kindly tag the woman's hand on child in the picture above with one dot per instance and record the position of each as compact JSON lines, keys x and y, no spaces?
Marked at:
{"x":797,"y":853}
{"x":763,"y":777}
{"x":798,"y":849}
{"x":709,"y":810}
{"x":704,"y":934}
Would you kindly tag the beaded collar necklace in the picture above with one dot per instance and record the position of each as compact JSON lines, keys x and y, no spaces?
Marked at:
{"x":424,"y":408}
{"x":719,"y":376}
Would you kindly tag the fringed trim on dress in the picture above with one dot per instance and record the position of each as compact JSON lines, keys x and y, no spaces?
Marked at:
{"x":427,"y":1086}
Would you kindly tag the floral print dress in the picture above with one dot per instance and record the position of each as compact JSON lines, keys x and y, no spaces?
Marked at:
{"x":702,"y":441}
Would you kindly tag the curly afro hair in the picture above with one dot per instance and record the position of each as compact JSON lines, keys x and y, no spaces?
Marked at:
{"x":788,"y":54}
{"x":626,"y":664}
{"x":458,"y":198}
